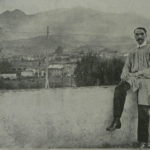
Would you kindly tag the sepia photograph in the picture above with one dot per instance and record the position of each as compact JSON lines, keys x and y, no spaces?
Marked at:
{"x":74,"y":74}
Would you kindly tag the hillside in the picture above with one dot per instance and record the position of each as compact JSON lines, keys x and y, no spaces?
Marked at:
{"x":70,"y":28}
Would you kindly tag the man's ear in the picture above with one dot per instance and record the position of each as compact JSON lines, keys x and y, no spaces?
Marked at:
{"x":146,"y":34}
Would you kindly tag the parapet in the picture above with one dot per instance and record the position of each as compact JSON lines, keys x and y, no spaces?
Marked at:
{"x":64,"y":118}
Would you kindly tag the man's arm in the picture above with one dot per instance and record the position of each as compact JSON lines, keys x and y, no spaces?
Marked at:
{"x":126,"y":68}
{"x":145,"y":73}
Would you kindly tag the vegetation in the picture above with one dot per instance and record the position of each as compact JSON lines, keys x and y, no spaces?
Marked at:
{"x":6,"y":67}
{"x":90,"y":71}
{"x":32,"y":83}
{"x":19,"y":83}
{"x":59,"y":50}
{"x":95,"y":70}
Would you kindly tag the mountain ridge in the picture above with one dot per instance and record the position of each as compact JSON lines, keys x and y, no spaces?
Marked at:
{"x":70,"y":28}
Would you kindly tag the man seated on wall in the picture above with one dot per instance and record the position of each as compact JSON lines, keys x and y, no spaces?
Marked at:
{"x":135,"y":76}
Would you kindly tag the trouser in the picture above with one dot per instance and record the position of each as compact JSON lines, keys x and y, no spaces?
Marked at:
{"x":143,"y":123}
{"x":119,"y":98}
{"x":143,"y":115}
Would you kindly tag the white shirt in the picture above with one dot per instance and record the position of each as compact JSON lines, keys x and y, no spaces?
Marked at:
{"x":144,"y":43}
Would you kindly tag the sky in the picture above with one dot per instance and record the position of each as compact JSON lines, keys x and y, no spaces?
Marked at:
{"x":141,"y":7}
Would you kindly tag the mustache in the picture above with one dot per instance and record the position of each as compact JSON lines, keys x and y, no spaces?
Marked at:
{"x":140,"y":39}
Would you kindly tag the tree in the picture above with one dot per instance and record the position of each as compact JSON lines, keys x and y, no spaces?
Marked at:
{"x":5,"y":67}
{"x":59,"y":50}
{"x":86,"y":71}
{"x":94,"y":70}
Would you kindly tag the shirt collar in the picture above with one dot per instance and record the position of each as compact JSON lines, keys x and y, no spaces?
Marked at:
{"x":144,"y":43}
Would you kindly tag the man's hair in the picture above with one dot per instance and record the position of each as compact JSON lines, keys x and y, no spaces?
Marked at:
{"x":142,"y":28}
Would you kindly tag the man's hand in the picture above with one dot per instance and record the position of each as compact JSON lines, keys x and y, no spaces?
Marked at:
{"x":124,"y":76}
{"x":138,"y":74}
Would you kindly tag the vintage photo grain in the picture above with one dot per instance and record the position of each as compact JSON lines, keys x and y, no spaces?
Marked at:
{"x":74,"y":74}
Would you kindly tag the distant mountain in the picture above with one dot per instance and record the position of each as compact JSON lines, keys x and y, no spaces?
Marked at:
{"x":12,"y":23}
{"x":15,"y":13}
{"x":40,"y":45}
{"x":70,"y":28}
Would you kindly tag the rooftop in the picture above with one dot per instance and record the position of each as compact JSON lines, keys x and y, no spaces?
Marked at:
{"x":56,"y":66}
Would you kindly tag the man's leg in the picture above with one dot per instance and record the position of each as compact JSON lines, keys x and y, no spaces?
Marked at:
{"x":143,"y":124}
{"x":119,"y":100}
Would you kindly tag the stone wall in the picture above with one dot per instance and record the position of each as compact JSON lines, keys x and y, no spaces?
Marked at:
{"x":64,"y":118}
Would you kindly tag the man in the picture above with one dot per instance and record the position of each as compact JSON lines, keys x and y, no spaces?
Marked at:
{"x":135,"y":75}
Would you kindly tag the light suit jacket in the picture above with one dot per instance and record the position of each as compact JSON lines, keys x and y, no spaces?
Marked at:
{"x":138,"y":64}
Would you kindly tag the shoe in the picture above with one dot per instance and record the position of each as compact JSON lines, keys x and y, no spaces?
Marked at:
{"x":148,"y":145}
{"x":116,"y":124}
{"x":143,"y":145}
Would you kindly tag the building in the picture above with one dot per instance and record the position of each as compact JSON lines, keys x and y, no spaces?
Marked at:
{"x":55,"y":75}
{"x":11,"y":76}
{"x":27,"y":73}
{"x":61,"y":74}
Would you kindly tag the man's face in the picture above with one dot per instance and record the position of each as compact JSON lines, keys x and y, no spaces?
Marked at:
{"x":140,"y":36}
